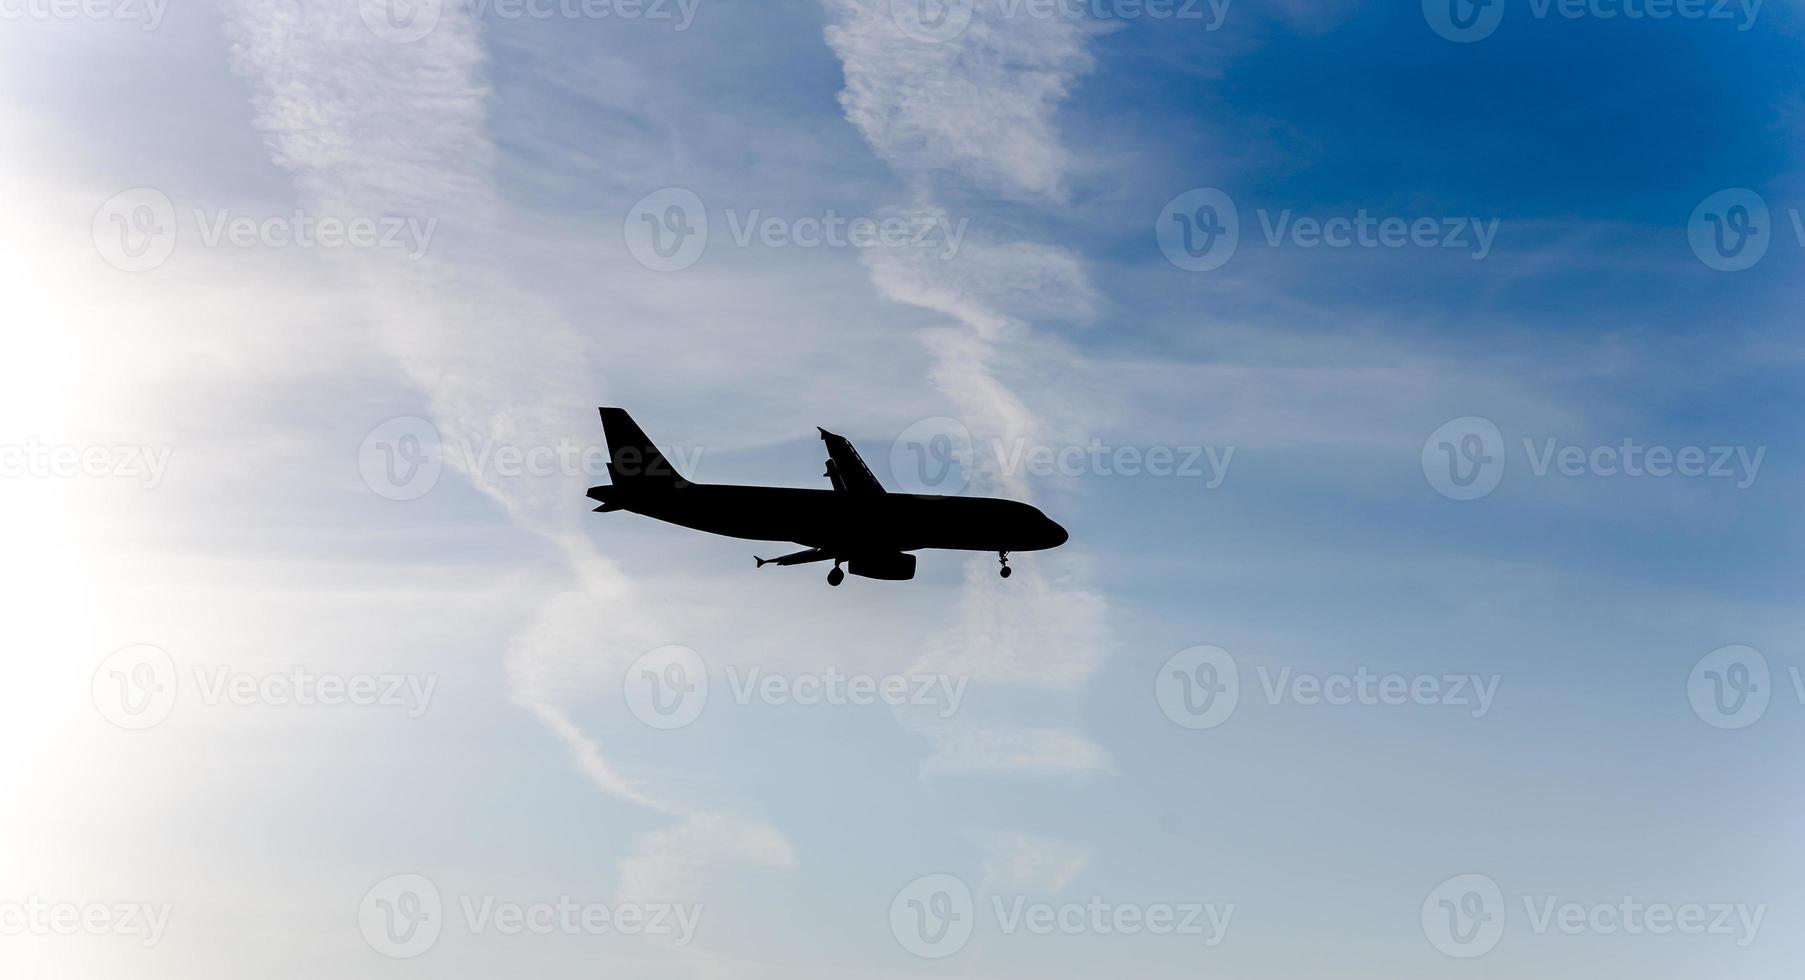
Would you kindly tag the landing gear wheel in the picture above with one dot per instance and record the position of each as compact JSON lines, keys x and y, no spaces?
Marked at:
{"x":1004,"y":572}
{"x":836,"y":576}
{"x":1003,"y":559}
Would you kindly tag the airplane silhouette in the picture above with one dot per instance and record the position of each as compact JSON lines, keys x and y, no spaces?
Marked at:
{"x":856,"y":522}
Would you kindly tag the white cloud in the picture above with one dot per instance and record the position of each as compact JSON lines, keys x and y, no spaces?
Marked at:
{"x":667,"y":863}
{"x":372,"y":127}
{"x":1031,"y":862}
{"x":991,"y":747}
{"x":980,"y":105}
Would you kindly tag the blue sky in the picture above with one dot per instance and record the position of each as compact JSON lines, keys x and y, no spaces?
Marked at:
{"x":1366,"y":496}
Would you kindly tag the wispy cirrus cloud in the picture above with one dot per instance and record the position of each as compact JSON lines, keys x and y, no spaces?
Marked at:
{"x":979,"y":108}
{"x":372,"y":127}
{"x":980,"y":105}
{"x":1031,"y":862}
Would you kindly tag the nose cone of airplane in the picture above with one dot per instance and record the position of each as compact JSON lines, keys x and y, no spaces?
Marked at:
{"x":1054,"y":534}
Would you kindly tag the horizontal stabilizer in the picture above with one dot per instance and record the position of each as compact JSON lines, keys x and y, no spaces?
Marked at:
{"x":800,"y":557}
{"x":605,"y":496}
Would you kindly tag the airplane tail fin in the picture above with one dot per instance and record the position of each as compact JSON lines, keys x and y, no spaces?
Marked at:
{"x":631,"y":456}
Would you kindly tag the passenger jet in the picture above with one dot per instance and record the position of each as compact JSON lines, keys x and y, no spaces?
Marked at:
{"x":857,"y":522}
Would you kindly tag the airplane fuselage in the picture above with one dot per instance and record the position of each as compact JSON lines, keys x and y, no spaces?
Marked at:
{"x":836,"y":519}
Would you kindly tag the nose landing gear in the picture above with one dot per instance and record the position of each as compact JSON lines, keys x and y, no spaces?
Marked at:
{"x":836,"y":576}
{"x":1003,"y":560}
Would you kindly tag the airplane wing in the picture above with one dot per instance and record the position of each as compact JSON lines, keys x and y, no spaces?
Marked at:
{"x":844,"y":467}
